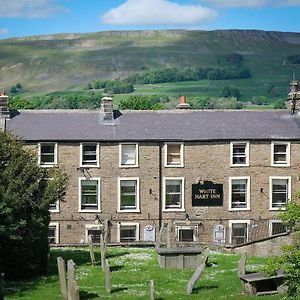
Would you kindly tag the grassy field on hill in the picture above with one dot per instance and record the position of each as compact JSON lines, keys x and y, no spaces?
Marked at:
{"x":44,"y":64}
{"x":132,"y":269}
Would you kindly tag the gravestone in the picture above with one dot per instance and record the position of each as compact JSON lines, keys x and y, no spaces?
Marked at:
{"x":242,"y":265}
{"x":62,"y":277}
{"x":107,"y":276}
{"x":73,"y":291}
{"x":152,"y":290}
{"x":92,"y":254}
{"x":195,"y":278}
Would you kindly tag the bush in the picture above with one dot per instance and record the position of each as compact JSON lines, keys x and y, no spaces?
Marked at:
{"x":25,"y":198}
{"x":140,"y":103}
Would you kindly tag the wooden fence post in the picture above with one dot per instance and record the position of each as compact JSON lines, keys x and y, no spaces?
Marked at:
{"x":62,"y":277}
{"x":152,"y":290}
{"x":102,"y":250}
{"x":107,"y":276}
{"x":92,"y":254}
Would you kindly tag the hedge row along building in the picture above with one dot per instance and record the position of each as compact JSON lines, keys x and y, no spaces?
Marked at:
{"x":214,"y":176}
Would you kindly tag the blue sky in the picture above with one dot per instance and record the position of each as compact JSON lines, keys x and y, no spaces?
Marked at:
{"x":39,"y":17}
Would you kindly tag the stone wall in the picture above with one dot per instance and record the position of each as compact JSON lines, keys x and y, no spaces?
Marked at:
{"x":202,"y":160}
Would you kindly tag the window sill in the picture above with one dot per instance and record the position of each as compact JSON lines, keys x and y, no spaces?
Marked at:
{"x":239,"y":165}
{"x":49,"y":166}
{"x":128,"y":166}
{"x":54,"y":211}
{"x":89,"y":166}
{"x":173,"y":166}
{"x":89,"y":210}
{"x":129,"y":211}
{"x":239,"y":209}
{"x":276,"y":208}
{"x":173,"y":209}
{"x":280,"y":165}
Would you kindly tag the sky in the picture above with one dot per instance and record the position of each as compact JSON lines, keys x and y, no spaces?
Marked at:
{"x":21,"y":18}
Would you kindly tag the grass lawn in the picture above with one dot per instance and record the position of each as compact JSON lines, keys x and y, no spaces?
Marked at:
{"x":132,"y":269}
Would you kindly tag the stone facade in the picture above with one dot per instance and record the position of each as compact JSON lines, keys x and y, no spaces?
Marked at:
{"x":202,"y":161}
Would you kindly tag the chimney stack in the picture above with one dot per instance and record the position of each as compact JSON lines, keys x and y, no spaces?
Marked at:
{"x":107,"y":108}
{"x":4,"y":110}
{"x":293,"y":98}
{"x":182,"y":103}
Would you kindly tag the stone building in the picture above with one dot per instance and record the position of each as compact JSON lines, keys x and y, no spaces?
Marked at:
{"x":213,"y":176}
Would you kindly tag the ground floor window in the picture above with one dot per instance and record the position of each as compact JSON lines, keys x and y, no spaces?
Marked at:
{"x":276,"y":227}
{"x":95,"y":231}
{"x":128,"y":232}
{"x":53,"y":233}
{"x":186,"y":233}
{"x":239,"y":231}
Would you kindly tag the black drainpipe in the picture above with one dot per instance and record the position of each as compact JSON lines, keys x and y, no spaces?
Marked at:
{"x":160,"y":145}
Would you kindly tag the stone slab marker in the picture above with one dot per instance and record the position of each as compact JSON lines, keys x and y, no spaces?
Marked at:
{"x":152,"y":290}
{"x":62,"y":277}
{"x":92,"y":254}
{"x":242,"y":265}
{"x":73,"y":291}
{"x":195,"y":278}
{"x":107,"y":276}
{"x":102,"y":250}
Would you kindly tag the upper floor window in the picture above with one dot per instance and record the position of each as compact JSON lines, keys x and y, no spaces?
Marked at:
{"x":128,"y":194}
{"x":173,"y":155}
{"x":47,"y":154}
{"x":280,"y":191}
{"x":280,"y":154}
{"x":239,"y":193}
{"x":89,"y":155}
{"x":173,"y":194}
{"x":128,"y":155}
{"x":239,"y":153}
{"x":54,"y":207}
{"x":89,"y":194}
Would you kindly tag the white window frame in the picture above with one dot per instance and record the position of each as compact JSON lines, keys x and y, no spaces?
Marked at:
{"x":137,"y":230}
{"x":92,"y":226}
{"x":80,"y":179}
{"x":136,"y":155}
{"x":288,"y":154}
{"x":167,"y":209}
{"x":248,"y":222}
{"x":56,"y":225}
{"x":137,"y":209}
{"x":187,"y":227}
{"x":181,"y":164}
{"x":271,"y":222}
{"x":56,"y":209}
{"x":47,"y":165}
{"x":97,"y":155}
{"x":247,"y":153}
{"x":289,"y":194}
{"x":231,"y":179}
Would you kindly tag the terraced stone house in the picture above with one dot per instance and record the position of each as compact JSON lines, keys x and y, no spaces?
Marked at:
{"x":213,"y":176}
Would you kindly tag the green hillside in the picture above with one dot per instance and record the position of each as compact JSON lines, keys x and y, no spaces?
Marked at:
{"x":67,"y":62}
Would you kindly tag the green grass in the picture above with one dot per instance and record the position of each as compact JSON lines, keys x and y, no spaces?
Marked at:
{"x":132,"y":269}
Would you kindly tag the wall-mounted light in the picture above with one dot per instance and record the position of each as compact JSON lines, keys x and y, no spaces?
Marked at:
{"x":97,"y":220}
{"x":261,"y":190}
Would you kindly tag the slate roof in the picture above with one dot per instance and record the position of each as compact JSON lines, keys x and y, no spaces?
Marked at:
{"x":83,"y":125}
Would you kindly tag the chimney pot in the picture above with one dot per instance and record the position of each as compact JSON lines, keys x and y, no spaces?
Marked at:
{"x":182,"y":103}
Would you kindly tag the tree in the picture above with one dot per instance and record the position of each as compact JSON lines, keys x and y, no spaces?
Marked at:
{"x":289,"y":261}
{"x":26,"y":192}
{"x":229,"y":91}
{"x":18,"y":86}
{"x":13,"y":90}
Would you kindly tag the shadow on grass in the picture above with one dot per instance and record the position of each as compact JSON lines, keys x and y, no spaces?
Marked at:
{"x":116,"y":268}
{"x":85,"y":295}
{"x":205,"y":287}
{"x":120,"y":289}
{"x":108,"y":256}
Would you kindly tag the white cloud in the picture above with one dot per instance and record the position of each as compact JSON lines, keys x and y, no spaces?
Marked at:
{"x":157,"y":12}
{"x":3,"y":31}
{"x":254,"y":3}
{"x":29,"y":8}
